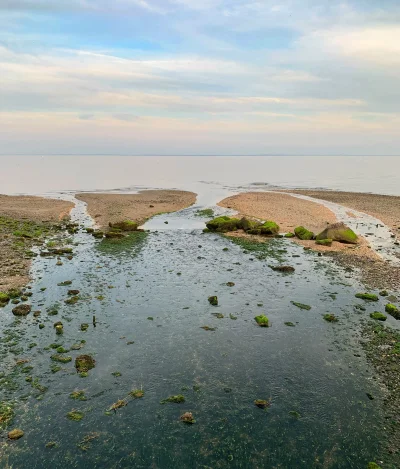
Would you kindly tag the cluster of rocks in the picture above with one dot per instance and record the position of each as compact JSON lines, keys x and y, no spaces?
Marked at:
{"x":335,"y":232}
{"x":116,"y":230}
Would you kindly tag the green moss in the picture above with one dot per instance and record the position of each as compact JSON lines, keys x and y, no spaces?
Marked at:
{"x":84,"y":326}
{"x":78,"y":395}
{"x":206,"y":212}
{"x":330,"y":317}
{"x":378,"y":316}
{"x":6,"y":414}
{"x":262,"y":403}
{"x":208,"y":328}
{"x":301,"y":305}
{"x":64,"y":284}
{"x":392,"y":310}
{"x":384,"y":293}
{"x":290,"y":324}
{"x":324,"y":242}
{"x":61,"y":350}
{"x":84,"y":363}
{"x":338,"y":232}
{"x":4,"y":298}
{"x":131,"y":243}
{"x":248,"y":225}
{"x":262,"y":320}
{"x":303,"y":233}
{"x":367,"y":296}
{"x":116,"y":374}
{"x":75,"y":415}
{"x":55,"y":368}
{"x":126,"y":225}
{"x":289,"y":235}
{"x":73,"y":300}
{"x":223,"y":224}
{"x":137,"y":393}
{"x":269,"y":228}
{"x":261,"y":249}
{"x":373,"y":465}
{"x":61,"y":358}
{"x":179,"y":399}
{"x":213,"y":300}
{"x":294,"y":414}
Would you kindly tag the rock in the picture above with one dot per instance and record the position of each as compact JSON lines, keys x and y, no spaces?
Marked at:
{"x":125,"y":225}
{"x":301,"y":305}
{"x":187,"y":417}
{"x":330,"y":318}
{"x":262,"y":403}
{"x":303,"y":233}
{"x":230,"y":284}
{"x":73,"y":292}
{"x":373,"y":465}
{"x":282,"y":268}
{"x":223,"y":224}
{"x":98,"y":234}
{"x":22,"y":310}
{"x":324,"y":242}
{"x":15,"y":434}
{"x":367,"y":296}
{"x":72,"y":300}
{"x":289,"y":235}
{"x":338,"y":232}
{"x":213,"y":300}
{"x":137,"y":393}
{"x":378,"y":316}
{"x":114,"y":235}
{"x":392,"y":310}
{"x":384,"y":293}
{"x":179,"y":399}
{"x":262,"y":320}
{"x":208,"y":328}
{"x":89,"y":230}
{"x":84,"y":326}
{"x":4,"y":299}
{"x":269,"y":228}
{"x":84,"y":363}
{"x":247,"y":224}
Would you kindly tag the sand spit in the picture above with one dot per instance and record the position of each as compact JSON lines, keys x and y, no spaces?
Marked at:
{"x":23,"y":220}
{"x":384,"y":207}
{"x":106,"y":208}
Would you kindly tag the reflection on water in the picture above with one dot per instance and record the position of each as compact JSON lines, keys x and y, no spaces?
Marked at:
{"x":150,"y":305}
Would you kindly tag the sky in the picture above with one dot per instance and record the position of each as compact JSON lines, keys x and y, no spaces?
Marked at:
{"x":193,"y":77}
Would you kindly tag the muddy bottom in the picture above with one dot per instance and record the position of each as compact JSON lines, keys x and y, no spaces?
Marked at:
{"x":149,"y":296}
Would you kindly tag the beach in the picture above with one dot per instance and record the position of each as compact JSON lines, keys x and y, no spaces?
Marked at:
{"x":112,"y":208}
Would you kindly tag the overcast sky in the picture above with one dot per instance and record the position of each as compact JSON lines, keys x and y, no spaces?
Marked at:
{"x":199,"y":77}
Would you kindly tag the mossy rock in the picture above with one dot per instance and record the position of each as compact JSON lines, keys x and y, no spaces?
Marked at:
{"x":373,"y":465}
{"x":384,"y":293}
{"x":98,"y":234}
{"x":22,"y":310}
{"x":126,"y":225}
{"x":301,"y":305}
{"x":14,"y":293}
{"x":246,"y":224}
{"x":188,"y":418}
{"x":137,"y":393}
{"x":78,"y":395}
{"x":289,"y":235}
{"x":262,"y":320}
{"x":4,"y":298}
{"x":367,"y":296}
{"x":269,"y":228}
{"x":179,"y":399}
{"x":6,"y":414}
{"x":72,"y":300}
{"x":282,"y":268}
{"x":255,"y":231}
{"x":393,"y":310}
{"x":84,"y":326}
{"x":223,"y":224}
{"x":324,"y":242}
{"x":75,"y":415}
{"x":303,"y":233}
{"x":378,"y":316}
{"x":338,"y":232}
{"x":61,"y":358}
{"x":213,"y":300}
{"x":15,"y":434}
{"x":65,"y":283}
{"x":262,"y":403}
{"x":84,"y":363}
{"x":89,"y":230}
{"x":330,"y":317}
{"x":114,"y":235}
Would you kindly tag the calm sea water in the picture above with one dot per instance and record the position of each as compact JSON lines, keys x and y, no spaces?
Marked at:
{"x":36,"y":174}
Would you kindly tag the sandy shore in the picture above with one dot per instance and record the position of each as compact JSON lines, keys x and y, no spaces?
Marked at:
{"x":106,"y":208}
{"x":28,"y":215}
{"x":384,"y":207}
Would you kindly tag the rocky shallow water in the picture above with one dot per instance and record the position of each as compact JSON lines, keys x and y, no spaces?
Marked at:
{"x":149,"y":296}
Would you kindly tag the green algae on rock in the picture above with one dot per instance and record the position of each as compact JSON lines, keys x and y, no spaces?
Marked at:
{"x":84,"y":326}
{"x":324,"y":242}
{"x":61,"y":358}
{"x":84,"y":363}
{"x":72,"y":300}
{"x":262,"y":403}
{"x":373,"y":465}
{"x":262,"y":320}
{"x":6,"y":414}
{"x":393,"y":310}
{"x":338,"y":232}
{"x":137,"y":393}
{"x":15,"y":434}
{"x":301,"y":305}
{"x":247,"y":224}
{"x":367,"y":296}
{"x":126,"y":225}
{"x":269,"y":228}
{"x":303,"y":233}
{"x":206,"y":212}
{"x":178,"y":399}
{"x":78,"y":395}
{"x":213,"y":300}
{"x":208,"y":328}
{"x":75,"y":415}
{"x":289,"y":235}
{"x":289,"y":324}
{"x":223,"y":224}
{"x":330,"y":317}
{"x":378,"y":316}
{"x":4,"y":299}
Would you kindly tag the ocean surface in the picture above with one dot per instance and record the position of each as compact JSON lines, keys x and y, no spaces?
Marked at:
{"x":42,"y":174}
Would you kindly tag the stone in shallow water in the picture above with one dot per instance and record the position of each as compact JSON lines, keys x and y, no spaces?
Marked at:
{"x":22,"y":310}
{"x":15,"y":434}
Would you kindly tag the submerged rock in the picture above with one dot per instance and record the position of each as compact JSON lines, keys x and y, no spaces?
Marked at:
{"x":262,"y":403}
{"x":187,"y":417}
{"x":15,"y":434}
{"x":178,"y":399}
{"x":378,"y":316}
{"x":75,"y":415}
{"x":392,"y":310}
{"x":73,"y":292}
{"x":213,"y":300}
{"x":84,"y":326}
{"x":84,"y":363}
{"x":230,"y":284}
{"x":22,"y":310}
{"x":338,"y":232}
{"x":262,"y":320}
{"x":137,"y":393}
{"x":301,"y":305}
{"x":208,"y":328}
{"x":303,"y":233}
{"x":330,"y":317}
{"x":282,"y":268}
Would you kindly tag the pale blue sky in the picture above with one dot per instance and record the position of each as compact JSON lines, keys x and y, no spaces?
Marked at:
{"x":199,"y":77}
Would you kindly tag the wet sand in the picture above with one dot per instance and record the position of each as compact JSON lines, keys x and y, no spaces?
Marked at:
{"x":14,"y":263}
{"x":384,"y":207}
{"x":112,"y":208}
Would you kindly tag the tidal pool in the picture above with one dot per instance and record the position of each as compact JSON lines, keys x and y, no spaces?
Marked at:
{"x":150,"y":300}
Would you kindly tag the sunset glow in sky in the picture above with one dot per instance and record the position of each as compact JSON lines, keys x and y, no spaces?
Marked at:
{"x":183,"y":77}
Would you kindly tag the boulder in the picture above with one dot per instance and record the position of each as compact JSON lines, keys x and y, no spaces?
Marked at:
{"x":324,"y":242}
{"x":22,"y":310}
{"x":338,"y":232}
{"x":247,"y":224}
{"x":126,"y":225}
{"x":223,"y":224}
{"x":392,"y":310}
{"x":15,"y":434}
{"x":84,"y":363}
{"x":114,"y":235}
{"x":269,"y":228}
{"x":304,"y":234}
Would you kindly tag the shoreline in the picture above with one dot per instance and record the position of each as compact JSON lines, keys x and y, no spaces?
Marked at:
{"x":105,"y":208}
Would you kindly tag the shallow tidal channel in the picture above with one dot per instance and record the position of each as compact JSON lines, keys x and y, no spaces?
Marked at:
{"x":150,"y":300}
